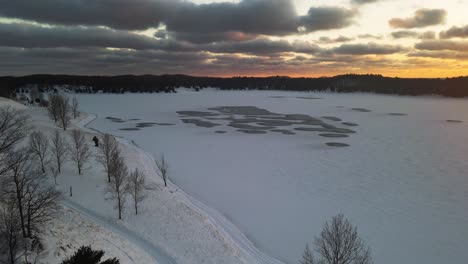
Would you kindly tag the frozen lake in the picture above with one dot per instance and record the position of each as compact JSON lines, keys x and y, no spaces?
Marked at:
{"x":403,"y":180}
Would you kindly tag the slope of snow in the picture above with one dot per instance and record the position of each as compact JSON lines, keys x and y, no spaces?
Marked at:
{"x":402,"y":181}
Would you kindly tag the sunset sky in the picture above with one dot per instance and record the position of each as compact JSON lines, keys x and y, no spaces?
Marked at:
{"x":311,"y":38}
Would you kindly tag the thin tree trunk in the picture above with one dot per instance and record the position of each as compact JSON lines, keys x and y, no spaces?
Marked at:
{"x":120,"y":209}
{"x":20,"y":208}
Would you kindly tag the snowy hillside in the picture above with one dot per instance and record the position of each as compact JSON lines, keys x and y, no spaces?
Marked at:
{"x":168,"y":229}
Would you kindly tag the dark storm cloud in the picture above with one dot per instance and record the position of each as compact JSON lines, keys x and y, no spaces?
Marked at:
{"x":325,"y":18}
{"x":186,"y":20}
{"x":262,"y":46}
{"x":422,"y":18}
{"x":30,"y":36}
{"x":434,"y":45}
{"x":365,"y":49}
{"x":33,"y":36}
{"x":455,"y":32}
{"x":119,"y":14}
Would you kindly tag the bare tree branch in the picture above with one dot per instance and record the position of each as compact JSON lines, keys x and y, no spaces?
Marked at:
{"x":339,"y":243}
{"x":106,"y":148}
{"x":163,"y":168}
{"x":118,"y":187}
{"x":59,"y":150}
{"x":39,"y":146}
{"x":137,"y":188}
{"x":79,"y":150}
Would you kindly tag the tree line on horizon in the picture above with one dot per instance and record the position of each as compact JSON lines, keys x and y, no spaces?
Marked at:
{"x":350,"y":83}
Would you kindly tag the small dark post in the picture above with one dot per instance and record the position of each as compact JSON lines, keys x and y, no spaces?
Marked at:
{"x":96,"y":141}
{"x":71,"y":192}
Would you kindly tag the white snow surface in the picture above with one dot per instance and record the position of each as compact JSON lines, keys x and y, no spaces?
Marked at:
{"x":403,"y":181}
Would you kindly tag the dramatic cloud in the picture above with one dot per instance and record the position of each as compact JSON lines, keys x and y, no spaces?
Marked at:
{"x":455,"y":32}
{"x":327,"y":40}
{"x":33,"y":36}
{"x":119,"y":14}
{"x":365,"y":49}
{"x":413,"y":34}
{"x":405,"y":34}
{"x":461,"y":46}
{"x":369,"y":36}
{"x":422,"y":18}
{"x":185,"y":20}
{"x":323,"y":18}
{"x":262,"y":46}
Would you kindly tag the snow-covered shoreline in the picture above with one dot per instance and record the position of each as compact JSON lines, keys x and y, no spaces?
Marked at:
{"x":231,"y":234}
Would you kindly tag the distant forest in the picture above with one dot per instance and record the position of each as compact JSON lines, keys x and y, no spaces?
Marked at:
{"x":451,"y":87}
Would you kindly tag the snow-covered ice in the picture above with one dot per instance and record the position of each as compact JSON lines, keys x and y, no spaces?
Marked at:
{"x":403,"y":181}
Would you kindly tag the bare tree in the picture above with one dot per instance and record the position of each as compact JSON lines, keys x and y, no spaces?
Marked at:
{"x":137,"y":188}
{"x":74,"y":108}
{"x":39,"y":146}
{"x":53,"y":108}
{"x":16,"y":180}
{"x":13,"y":128}
{"x":35,"y":199}
{"x":64,"y":112}
{"x":55,"y":173}
{"x":79,"y":150}
{"x":339,"y":243}
{"x":42,"y":204}
{"x":106,"y":148}
{"x":118,"y":187}
{"x":10,"y":230}
{"x":59,"y":150}
{"x":163,"y":168}
{"x":307,"y":256}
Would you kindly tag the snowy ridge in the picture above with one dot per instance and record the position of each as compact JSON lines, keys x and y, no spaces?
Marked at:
{"x":229,"y":232}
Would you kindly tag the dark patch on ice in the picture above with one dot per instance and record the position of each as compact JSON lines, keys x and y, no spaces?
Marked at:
{"x":277,"y":96}
{"x":243,"y":110}
{"x":220,"y":132}
{"x":249,"y":127}
{"x":321,"y":129}
{"x":134,"y":119}
{"x":332,"y":118}
{"x":165,"y":124}
{"x":254,"y":120}
{"x":130,"y":129}
{"x":113,"y":118}
{"x":361,"y":110}
{"x":283,"y":131}
{"x":453,"y":121}
{"x":196,"y":113}
{"x":350,"y":124}
{"x":336,"y":144}
{"x":200,"y":123}
{"x":252,"y":131}
{"x":308,"y":98}
{"x":332,"y":135}
{"x":397,"y":114}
